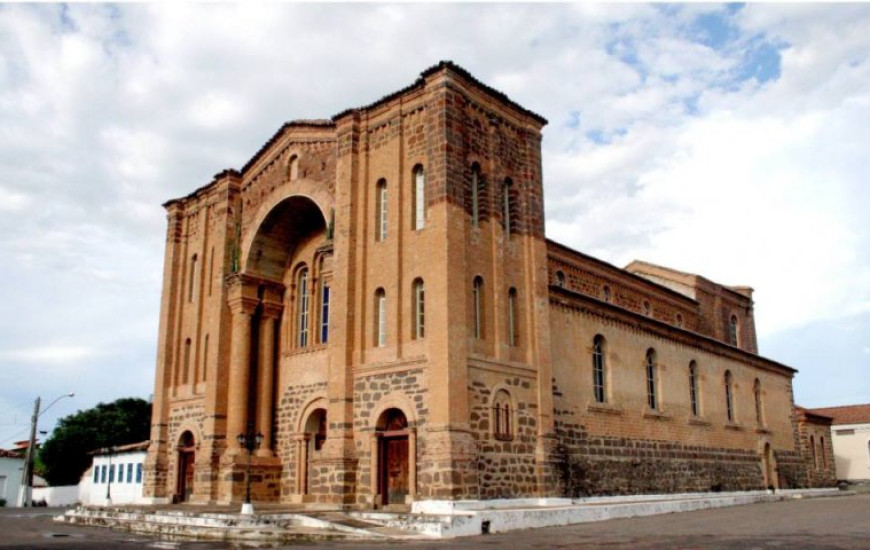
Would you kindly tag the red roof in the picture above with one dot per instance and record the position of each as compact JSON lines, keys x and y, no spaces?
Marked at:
{"x":850,"y":414}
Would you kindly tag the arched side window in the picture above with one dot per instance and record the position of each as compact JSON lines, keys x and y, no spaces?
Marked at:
{"x":598,"y":371}
{"x":652,"y":398}
{"x":756,"y":391}
{"x":419,"y":218}
{"x":605,"y":294}
{"x":478,"y":307}
{"x":476,"y":195}
{"x":502,"y":427}
{"x":191,"y":279}
{"x":186,"y":372}
{"x":729,"y":396}
{"x":693,"y":388}
{"x":813,"y":452}
{"x":302,"y":302}
{"x":733,"y":331}
{"x":418,"y":299}
{"x":293,"y":168}
{"x":380,"y":318}
{"x":324,"y":311}
{"x":513,"y":318}
{"x":508,"y":207}
{"x":381,"y":211}
{"x":560,"y":279}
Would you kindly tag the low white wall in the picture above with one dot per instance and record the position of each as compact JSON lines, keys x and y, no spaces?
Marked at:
{"x":66,"y":495}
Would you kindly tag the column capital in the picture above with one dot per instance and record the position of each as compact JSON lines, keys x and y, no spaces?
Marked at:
{"x":242,"y":294}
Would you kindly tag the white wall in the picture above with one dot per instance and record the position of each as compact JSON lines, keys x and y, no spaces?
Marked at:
{"x":92,"y":489}
{"x":10,"y":479}
{"x":66,"y":495}
{"x":851,"y":444}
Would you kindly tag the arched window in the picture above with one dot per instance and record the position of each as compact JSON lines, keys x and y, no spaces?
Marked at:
{"x":191,"y":279}
{"x":380,"y":317}
{"x":293,"y":168}
{"x":513,"y":318}
{"x":477,"y":305}
{"x":560,"y":279}
{"x":502,"y":427}
{"x":324,"y":312}
{"x":419,"y":218}
{"x":302,"y":300}
{"x":693,"y":388}
{"x":419,"y":309}
{"x":813,"y":451}
{"x":651,"y":380}
{"x":381,"y":211}
{"x":476,"y":182}
{"x":605,"y":293}
{"x":186,"y":372}
{"x":732,"y":330}
{"x":756,"y":391}
{"x":598,"y":373}
{"x":729,"y":396}
{"x":507,"y":207}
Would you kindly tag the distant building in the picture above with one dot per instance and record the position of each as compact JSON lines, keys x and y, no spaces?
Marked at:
{"x":851,"y":440}
{"x":814,"y":430}
{"x":11,"y":465}
{"x":375,"y":295}
{"x":118,"y":473}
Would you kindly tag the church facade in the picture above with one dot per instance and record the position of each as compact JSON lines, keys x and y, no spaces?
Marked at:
{"x":374,"y":295}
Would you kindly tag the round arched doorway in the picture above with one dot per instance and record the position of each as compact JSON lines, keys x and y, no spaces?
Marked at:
{"x":315,"y":437}
{"x":394,"y":461}
{"x":186,"y":468}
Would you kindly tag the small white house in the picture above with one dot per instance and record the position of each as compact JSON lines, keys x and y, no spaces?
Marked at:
{"x":115,"y":477}
{"x":851,"y":441}
{"x":10,"y":477}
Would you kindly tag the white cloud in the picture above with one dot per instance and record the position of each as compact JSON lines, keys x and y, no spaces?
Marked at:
{"x":49,"y":354}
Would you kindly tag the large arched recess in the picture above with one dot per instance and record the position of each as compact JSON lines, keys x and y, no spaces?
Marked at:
{"x":283,"y":225}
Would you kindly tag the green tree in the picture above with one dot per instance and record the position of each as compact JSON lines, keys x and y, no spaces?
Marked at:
{"x":65,"y":454}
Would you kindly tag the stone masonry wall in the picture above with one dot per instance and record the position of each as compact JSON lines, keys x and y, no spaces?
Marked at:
{"x":291,"y":405}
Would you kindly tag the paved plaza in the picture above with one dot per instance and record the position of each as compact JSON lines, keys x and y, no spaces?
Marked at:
{"x":820,"y":523}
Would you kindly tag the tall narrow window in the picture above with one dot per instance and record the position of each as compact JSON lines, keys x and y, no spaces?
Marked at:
{"x":729,"y":396}
{"x":419,"y":309}
{"x":475,"y":195}
{"x":598,"y":382}
{"x":139,"y":473}
{"x":822,"y":452}
{"x":302,"y":305}
{"x":507,"y":203}
{"x":693,"y":388}
{"x":756,"y":390}
{"x":732,"y":330}
{"x":191,"y":279}
{"x":204,"y":374}
{"x":293,"y":168}
{"x":501,"y":414}
{"x":647,"y":309}
{"x":513,"y":318}
{"x":381,"y":221}
{"x":560,"y":279}
{"x":813,"y":452}
{"x":380,"y":317}
{"x":324,"y":314}
{"x":186,"y":372}
{"x":477,"y":298}
{"x":419,"y":198}
{"x":651,"y":380}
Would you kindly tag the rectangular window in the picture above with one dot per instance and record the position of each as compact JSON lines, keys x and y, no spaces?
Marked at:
{"x":420,"y":314}
{"x":139,"y":473}
{"x":381,"y":229}
{"x":845,"y":432}
{"x":324,"y":316}
{"x":129,"y":473}
{"x":419,"y":198}
{"x":303,"y":308}
{"x":382,"y":318}
{"x":111,"y":474}
{"x":103,"y":473}
{"x":652,"y":400}
{"x":96,"y":474}
{"x":2,"y":486}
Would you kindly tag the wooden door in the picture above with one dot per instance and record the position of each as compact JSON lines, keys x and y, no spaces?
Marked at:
{"x":186,"y":472}
{"x":394,"y":473}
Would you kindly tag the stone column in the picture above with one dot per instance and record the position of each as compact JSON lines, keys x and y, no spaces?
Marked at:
{"x":240,"y":372}
{"x":373,"y":465}
{"x":266,"y":362}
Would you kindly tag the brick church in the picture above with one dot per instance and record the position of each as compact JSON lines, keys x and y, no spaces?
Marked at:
{"x":375,"y":296}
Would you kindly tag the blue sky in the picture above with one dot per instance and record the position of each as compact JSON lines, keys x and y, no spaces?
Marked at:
{"x":726,"y":140}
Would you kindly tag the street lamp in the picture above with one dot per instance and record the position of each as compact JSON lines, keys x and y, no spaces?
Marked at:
{"x":27,"y":474}
{"x":250,"y":441}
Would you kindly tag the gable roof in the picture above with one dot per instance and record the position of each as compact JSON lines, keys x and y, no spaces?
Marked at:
{"x":849,"y":414}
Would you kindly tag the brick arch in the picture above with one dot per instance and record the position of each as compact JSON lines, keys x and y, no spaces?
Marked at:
{"x":394,"y":400}
{"x":188,"y":426}
{"x":308,"y":189}
{"x":317,"y":401}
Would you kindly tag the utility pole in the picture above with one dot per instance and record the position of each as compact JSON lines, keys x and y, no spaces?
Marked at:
{"x":27,"y":474}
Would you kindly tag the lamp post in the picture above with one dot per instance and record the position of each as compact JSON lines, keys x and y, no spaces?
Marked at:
{"x":27,"y":473}
{"x":250,"y":441}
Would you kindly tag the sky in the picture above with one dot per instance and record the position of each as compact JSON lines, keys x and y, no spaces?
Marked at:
{"x":731,"y":141}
